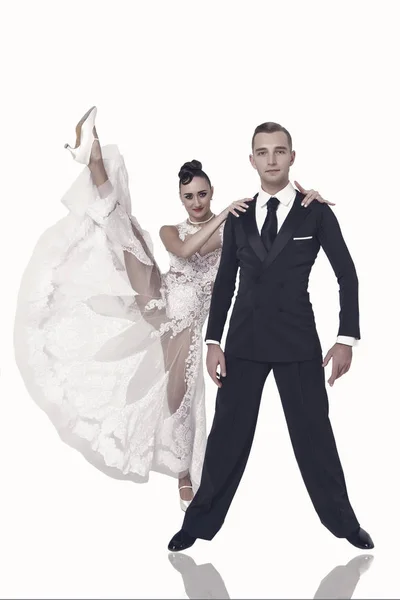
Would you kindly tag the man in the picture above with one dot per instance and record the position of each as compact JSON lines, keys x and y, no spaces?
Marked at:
{"x":272,"y":328}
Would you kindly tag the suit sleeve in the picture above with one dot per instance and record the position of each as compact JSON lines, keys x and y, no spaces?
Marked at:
{"x":334,"y":246}
{"x":224,"y":285}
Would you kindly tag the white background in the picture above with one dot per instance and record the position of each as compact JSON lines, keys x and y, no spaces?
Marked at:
{"x":175,"y":81}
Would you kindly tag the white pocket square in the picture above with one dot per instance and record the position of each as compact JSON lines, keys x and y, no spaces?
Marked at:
{"x":309,"y":237}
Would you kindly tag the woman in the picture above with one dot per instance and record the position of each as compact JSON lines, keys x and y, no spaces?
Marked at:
{"x":110,"y":347}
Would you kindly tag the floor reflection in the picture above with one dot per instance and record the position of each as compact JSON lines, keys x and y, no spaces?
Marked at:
{"x":341,"y":582}
{"x":204,"y":581}
{"x":200,"y":581}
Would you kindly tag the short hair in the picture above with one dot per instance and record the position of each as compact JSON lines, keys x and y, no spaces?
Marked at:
{"x":271,"y":127}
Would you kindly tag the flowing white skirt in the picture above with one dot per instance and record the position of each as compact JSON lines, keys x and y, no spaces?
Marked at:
{"x":98,"y":342}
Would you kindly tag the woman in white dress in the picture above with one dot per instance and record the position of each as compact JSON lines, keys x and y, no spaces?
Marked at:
{"x":108,"y":346}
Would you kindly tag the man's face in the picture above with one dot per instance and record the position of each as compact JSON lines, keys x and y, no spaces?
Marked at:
{"x":272,"y":159}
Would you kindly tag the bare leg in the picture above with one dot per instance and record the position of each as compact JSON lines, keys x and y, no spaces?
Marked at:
{"x":96,"y":164}
{"x":144,"y":279}
{"x":176,"y":352}
{"x":187,"y":493}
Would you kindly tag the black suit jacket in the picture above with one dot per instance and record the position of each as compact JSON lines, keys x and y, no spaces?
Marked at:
{"x":272,"y":319}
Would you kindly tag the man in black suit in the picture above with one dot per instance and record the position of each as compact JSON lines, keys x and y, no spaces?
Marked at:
{"x":272,"y":328}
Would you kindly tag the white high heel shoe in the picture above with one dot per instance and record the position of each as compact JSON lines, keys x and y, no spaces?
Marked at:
{"x":185,"y":503}
{"x":84,"y":137}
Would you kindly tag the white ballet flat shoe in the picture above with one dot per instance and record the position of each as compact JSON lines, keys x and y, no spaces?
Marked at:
{"x":84,"y":137}
{"x":185,"y":503}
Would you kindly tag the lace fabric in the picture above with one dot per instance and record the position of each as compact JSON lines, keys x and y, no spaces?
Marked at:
{"x":108,"y":346}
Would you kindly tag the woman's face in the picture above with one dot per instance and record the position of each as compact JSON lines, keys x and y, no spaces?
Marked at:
{"x":196,"y":197}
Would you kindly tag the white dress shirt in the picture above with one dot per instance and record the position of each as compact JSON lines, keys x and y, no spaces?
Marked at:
{"x":286,"y":198}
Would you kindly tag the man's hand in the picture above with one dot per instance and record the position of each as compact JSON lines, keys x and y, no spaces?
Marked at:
{"x":215,"y":357}
{"x":341,"y":356}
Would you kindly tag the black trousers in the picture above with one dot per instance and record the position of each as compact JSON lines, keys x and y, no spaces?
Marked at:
{"x":303,"y":394}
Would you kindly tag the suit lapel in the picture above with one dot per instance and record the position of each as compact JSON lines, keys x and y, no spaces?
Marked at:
{"x":294,"y":219}
{"x":250,"y":228}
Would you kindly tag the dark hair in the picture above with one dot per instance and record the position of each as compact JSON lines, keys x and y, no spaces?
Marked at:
{"x":271,"y":127}
{"x":191,"y":169}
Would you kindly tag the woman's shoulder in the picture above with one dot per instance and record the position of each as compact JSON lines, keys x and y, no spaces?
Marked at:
{"x":181,"y":229}
{"x":168,"y":227}
{"x":175,"y":225}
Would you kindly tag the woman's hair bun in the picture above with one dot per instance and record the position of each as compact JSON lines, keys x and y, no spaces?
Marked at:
{"x":189,"y":170}
{"x":194,"y":164}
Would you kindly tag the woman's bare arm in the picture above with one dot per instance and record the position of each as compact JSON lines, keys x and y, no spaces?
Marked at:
{"x":170,"y":237}
{"x":212,"y":244}
{"x":193,"y":243}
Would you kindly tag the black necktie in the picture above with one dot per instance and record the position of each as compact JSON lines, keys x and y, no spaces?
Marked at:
{"x":270,"y":227}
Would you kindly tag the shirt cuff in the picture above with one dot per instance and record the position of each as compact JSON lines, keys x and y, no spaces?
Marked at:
{"x":212,"y":342}
{"x":347,"y":340}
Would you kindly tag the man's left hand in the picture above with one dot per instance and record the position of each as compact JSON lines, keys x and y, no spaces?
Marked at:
{"x":341,"y":356}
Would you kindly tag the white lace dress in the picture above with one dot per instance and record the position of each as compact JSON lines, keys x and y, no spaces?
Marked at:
{"x":109,"y":347}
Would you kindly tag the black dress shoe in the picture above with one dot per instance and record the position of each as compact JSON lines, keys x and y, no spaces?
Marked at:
{"x":361,"y":539}
{"x":181,"y":541}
